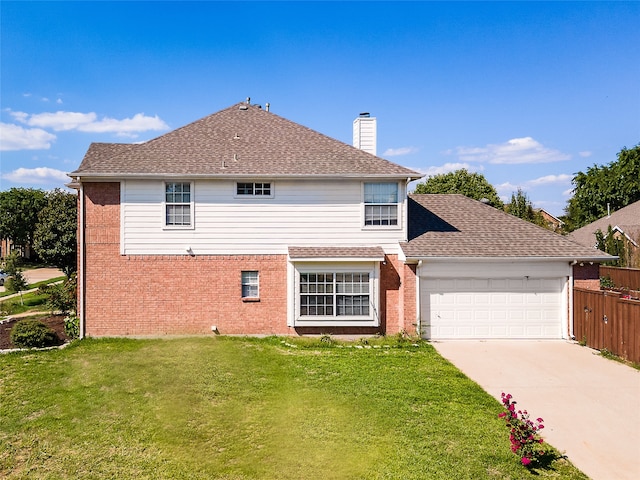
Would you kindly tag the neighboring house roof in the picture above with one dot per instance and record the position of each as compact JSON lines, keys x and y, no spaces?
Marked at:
{"x":446,"y":226}
{"x":627,"y":221}
{"x":242,"y":140}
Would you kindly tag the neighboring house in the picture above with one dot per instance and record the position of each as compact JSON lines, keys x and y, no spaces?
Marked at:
{"x":625,"y":223}
{"x":7,"y":247}
{"x":244,"y":222}
{"x":552,"y":222}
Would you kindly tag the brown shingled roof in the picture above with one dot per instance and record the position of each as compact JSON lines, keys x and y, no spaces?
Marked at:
{"x":458,"y":226}
{"x":626,"y":219}
{"x":336,"y":252}
{"x":242,"y":140}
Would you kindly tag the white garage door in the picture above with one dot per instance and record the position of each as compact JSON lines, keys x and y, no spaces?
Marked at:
{"x":492,"y":307}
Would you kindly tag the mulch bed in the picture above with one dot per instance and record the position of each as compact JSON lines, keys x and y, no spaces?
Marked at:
{"x":55,"y":322}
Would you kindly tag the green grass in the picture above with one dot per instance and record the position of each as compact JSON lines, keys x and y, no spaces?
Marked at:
{"x":243,"y":408}
{"x":37,"y":285}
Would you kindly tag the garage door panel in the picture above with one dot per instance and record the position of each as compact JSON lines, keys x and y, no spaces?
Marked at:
{"x":495,"y":308}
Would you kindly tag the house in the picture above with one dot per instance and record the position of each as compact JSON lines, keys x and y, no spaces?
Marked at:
{"x":624,"y":223}
{"x":551,"y":222}
{"x":244,"y":222}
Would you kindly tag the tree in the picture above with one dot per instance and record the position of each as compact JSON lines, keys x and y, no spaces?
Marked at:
{"x":520,"y":206}
{"x":55,"y":236}
{"x":472,"y":185}
{"x":19,"y":209}
{"x":611,"y":186}
{"x":613,"y":245}
{"x":16,"y":282}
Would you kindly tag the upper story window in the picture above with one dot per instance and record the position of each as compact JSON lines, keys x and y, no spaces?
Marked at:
{"x":178,"y":204}
{"x":380,"y":204}
{"x":254,"y":189}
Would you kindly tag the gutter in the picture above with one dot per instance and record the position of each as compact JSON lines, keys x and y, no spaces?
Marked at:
{"x":606,"y":258}
{"x":235,"y":175}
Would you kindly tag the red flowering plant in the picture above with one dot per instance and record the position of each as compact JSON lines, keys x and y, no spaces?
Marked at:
{"x":524,"y":433}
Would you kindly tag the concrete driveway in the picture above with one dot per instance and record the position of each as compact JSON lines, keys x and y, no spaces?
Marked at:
{"x":590,"y":405}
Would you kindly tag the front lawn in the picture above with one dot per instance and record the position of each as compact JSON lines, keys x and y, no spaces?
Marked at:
{"x":246,"y":408}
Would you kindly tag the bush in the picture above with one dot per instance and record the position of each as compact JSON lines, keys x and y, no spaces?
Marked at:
{"x":62,"y":297}
{"x":31,"y":333}
{"x":72,"y":326}
{"x":524,"y":433}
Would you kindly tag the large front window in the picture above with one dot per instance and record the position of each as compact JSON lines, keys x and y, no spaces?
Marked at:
{"x":335,"y":294}
{"x":178,"y":204}
{"x":380,"y":204}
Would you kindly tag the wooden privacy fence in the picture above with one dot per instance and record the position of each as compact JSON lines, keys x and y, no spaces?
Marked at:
{"x":605,"y":320}
{"x":628,"y":278}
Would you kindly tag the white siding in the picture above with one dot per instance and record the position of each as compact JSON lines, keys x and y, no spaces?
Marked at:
{"x":301,"y":212}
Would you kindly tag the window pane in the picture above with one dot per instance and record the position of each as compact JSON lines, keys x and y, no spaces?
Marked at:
{"x":380,"y":193}
{"x":351,"y":299}
{"x":250,"y":284}
{"x":245,"y":189}
{"x":178,"y":215}
{"x":380,"y":215}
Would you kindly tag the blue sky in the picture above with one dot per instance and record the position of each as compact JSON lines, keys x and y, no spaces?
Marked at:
{"x":525,"y":93}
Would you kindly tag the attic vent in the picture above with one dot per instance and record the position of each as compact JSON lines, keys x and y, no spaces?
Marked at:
{"x":244,"y":107}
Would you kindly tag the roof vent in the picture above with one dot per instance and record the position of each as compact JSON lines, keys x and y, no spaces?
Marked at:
{"x":267,"y":106}
{"x":248,"y":101}
{"x":244,"y":107}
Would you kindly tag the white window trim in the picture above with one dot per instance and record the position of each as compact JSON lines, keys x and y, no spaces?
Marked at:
{"x":253,"y":196}
{"x":191,"y":226}
{"x":372,"y":268}
{"x":399,"y":204}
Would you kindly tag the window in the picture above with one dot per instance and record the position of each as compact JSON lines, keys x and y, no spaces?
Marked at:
{"x":253,"y":189}
{"x":335,"y":294}
{"x":250,"y":284}
{"x":178,"y":204}
{"x":380,"y":204}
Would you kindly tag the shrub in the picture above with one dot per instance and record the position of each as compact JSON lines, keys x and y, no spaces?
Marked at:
{"x":62,"y":297}
{"x":72,"y":326}
{"x":524,"y":438}
{"x":31,"y":333}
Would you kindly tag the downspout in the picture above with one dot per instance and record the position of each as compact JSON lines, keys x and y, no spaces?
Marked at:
{"x":571,"y":335}
{"x":81,"y":280}
{"x":418,"y":314}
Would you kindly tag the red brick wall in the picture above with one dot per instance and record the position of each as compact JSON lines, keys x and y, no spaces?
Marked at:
{"x":587,"y":275}
{"x":182,"y":294}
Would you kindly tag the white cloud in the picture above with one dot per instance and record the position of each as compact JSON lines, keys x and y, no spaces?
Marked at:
{"x":15,"y":137}
{"x":59,"y":101}
{"x":58,"y":121}
{"x":562,"y":179}
{"x":568,"y":192}
{"x":89,"y":122}
{"x":396,"y":152}
{"x":512,"y":152}
{"x":449,"y":167}
{"x":40,"y":175}
{"x":585,"y":154}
